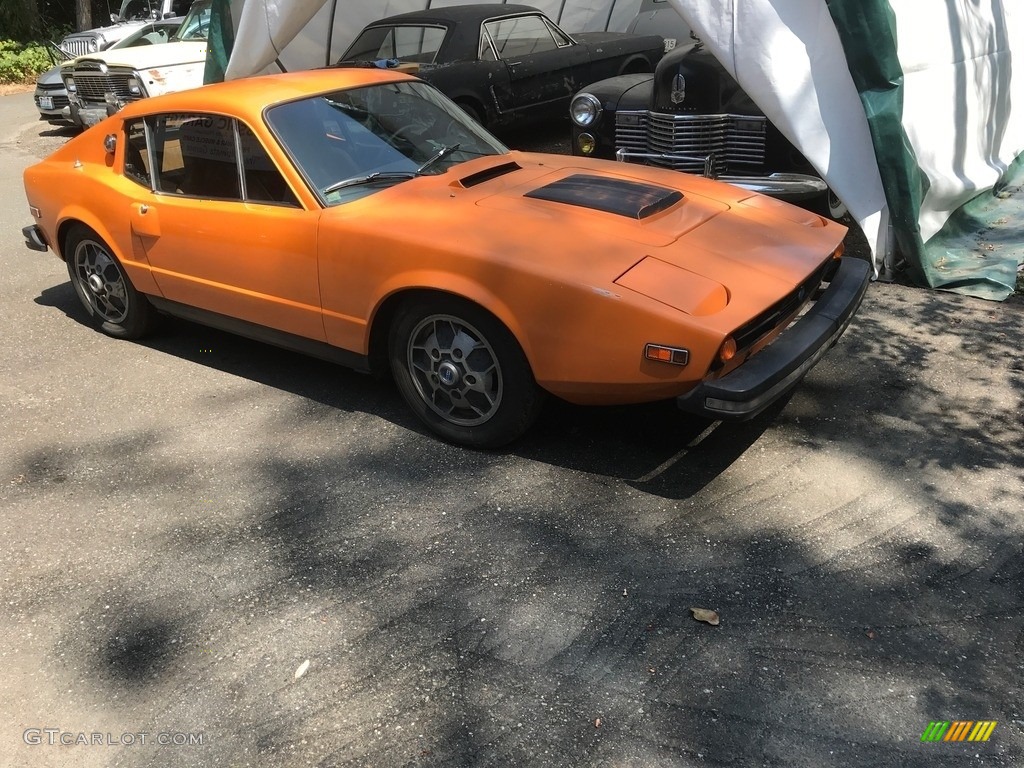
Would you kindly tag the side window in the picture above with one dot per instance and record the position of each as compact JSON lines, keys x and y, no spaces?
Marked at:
{"x":520,"y":36}
{"x":136,"y":157}
{"x":196,"y":155}
{"x":263,"y":182}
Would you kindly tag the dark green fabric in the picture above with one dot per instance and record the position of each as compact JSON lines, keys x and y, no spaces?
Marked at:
{"x":220,"y":42}
{"x":961,"y":257}
{"x":867,"y":30}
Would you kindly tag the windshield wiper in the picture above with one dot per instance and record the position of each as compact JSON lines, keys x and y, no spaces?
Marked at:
{"x":370,"y":178}
{"x":442,"y":153}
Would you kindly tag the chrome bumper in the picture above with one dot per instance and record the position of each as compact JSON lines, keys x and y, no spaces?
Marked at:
{"x":780,"y":366}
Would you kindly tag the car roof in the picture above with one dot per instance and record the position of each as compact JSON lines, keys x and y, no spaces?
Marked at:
{"x":248,"y":97}
{"x":473,"y":14}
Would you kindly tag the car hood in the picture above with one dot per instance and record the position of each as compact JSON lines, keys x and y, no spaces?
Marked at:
{"x":150,"y":56}
{"x":614,"y":226}
{"x":619,"y":214}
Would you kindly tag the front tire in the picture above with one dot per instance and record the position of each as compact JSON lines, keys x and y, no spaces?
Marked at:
{"x":103,"y":287}
{"x":462,"y":372}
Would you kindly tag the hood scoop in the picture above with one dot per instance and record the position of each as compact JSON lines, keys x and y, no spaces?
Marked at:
{"x":631,"y":199}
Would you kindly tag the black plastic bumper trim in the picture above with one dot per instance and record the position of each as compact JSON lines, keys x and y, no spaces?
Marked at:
{"x":34,"y":238}
{"x":780,"y":366}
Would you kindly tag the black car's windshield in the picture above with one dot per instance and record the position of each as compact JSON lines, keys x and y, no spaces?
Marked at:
{"x":418,"y":44}
{"x":196,"y":25}
{"x":349,"y":144}
{"x":151,"y":34}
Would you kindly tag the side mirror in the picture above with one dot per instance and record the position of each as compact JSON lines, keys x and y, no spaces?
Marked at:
{"x":115,"y":18}
{"x":110,"y":143}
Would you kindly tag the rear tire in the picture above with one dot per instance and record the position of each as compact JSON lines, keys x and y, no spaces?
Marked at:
{"x":103,"y":287}
{"x":462,"y":372}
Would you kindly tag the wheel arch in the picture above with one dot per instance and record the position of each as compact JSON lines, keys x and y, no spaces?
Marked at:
{"x":82,"y":218}
{"x":384,"y":314}
{"x":138,"y":272}
{"x":474,"y":104}
{"x":636,"y":65}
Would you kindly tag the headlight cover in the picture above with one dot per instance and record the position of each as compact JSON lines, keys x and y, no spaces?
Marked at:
{"x":584,"y":109}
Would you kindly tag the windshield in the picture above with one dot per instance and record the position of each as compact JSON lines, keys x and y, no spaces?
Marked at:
{"x":407,"y":43}
{"x":349,"y":144}
{"x":151,"y":34}
{"x":196,"y":25}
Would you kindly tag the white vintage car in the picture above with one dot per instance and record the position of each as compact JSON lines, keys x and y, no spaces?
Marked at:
{"x":100,"y":84}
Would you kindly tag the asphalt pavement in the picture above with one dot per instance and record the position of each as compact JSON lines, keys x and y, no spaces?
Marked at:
{"x":217,"y":553}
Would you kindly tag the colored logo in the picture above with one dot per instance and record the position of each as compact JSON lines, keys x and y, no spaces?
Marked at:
{"x":958,"y":730}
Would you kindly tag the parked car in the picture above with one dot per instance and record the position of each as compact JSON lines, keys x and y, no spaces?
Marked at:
{"x":359,"y":215}
{"x":100,"y":84}
{"x":51,"y":96}
{"x":692,"y":116}
{"x":502,"y":63}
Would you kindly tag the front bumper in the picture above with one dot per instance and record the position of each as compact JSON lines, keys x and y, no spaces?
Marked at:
{"x":780,"y":366}
{"x":87,"y":114}
{"x":790,"y":187}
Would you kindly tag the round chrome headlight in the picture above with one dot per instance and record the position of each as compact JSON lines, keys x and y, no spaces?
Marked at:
{"x":584,"y":109}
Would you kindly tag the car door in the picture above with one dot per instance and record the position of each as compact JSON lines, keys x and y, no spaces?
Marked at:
{"x":220,"y":226}
{"x":545,"y":66}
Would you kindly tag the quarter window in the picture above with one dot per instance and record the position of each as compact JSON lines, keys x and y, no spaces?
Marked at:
{"x":136,"y":157}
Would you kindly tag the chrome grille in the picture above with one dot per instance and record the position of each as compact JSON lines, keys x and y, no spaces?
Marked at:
{"x":92,"y":85}
{"x":76,"y":46}
{"x":736,"y":141}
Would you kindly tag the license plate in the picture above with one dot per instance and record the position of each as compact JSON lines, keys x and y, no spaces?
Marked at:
{"x":46,"y":102}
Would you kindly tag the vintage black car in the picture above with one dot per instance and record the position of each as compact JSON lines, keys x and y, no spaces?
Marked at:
{"x":502,"y":63}
{"x":691,"y":115}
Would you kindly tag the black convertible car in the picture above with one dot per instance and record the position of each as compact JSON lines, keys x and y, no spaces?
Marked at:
{"x":691,"y":115}
{"x":501,"y":63}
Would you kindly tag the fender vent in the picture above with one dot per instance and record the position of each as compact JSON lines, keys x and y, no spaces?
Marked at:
{"x":491,"y":173}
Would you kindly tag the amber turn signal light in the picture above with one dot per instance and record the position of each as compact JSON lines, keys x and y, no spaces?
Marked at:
{"x":663,"y":354}
{"x":727,"y":351}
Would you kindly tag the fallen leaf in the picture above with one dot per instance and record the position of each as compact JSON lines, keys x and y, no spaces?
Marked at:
{"x":871,"y":634}
{"x":597,"y":723}
{"x":705,"y":615}
{"x":302,"y":669}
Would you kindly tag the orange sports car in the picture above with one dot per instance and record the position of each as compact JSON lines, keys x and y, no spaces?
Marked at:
{"x":360,"y":216}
